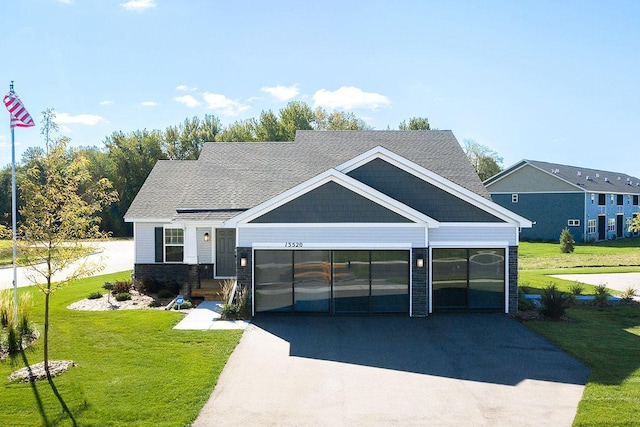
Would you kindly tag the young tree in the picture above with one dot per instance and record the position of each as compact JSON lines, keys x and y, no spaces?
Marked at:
{"x":60,"y":206}
{"x":635,"y":224}
{"x":566,"y":242}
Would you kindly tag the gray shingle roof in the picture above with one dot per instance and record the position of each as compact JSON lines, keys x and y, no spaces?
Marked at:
{"x":162,"y":190}
{"x":240,"y":175}
{"x":590,"y":180}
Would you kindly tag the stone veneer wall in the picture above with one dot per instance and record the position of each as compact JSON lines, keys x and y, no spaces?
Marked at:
{"x":244,"y":276}
{"x":513,"y":279}
{"x":419,"y":277}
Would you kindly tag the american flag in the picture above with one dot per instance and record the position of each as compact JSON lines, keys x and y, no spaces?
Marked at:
{"x":20,"y":117}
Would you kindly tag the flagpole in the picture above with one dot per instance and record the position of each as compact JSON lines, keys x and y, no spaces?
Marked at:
{"x":14,"y":205}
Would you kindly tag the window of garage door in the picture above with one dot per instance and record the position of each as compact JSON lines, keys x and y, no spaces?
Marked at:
{"x":323,"y":281}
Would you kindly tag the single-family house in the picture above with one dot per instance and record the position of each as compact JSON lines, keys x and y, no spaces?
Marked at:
{"x":593,"y":204}
{"x":335,"y":222}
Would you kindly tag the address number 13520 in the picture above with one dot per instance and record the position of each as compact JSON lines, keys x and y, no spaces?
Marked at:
{"x":293,"y":244}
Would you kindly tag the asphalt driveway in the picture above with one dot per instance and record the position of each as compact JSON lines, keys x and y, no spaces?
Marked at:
{"x":365,"y":371}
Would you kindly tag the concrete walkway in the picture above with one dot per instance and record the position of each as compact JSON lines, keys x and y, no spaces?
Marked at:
{"x":206,"y":316}
{"x":444,"y":370}
{"x":618,"y":281}
{"x":115,"y":255}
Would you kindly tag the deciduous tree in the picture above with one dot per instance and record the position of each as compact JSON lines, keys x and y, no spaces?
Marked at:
{"x":485,"y":161}
{"x":415,"y":123}
{"x":60,"y":207}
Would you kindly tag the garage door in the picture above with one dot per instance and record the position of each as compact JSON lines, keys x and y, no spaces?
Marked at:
{"x":468,"y":279}
{"x":335,"y":282}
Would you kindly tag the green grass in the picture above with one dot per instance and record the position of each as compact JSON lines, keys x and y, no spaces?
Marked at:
{"x":536,"y":261}
{"x":612,"y":253}
{"x":133,"y":368}
{"x":608,"y":341}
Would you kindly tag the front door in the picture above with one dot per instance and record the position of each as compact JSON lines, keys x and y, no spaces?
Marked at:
{"x":602,"y":230}
{"x":225,"y":252}
{"x":619,"y":225}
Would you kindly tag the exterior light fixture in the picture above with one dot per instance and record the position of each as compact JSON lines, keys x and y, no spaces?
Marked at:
{"x":420,"y":262}
{"x":243,"y":261}
{"x":206,"y":237}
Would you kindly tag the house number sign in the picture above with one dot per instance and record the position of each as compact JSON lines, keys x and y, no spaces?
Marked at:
{"x":293,"y":244}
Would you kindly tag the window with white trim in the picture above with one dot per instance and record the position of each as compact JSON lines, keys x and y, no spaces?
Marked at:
{"x":593,"y":199}
{"x":612,"y":224}
{"x":573,"y":223}
{"x":514,"y":198}
{"x":592,"y":226}
{"x":173,"y":244}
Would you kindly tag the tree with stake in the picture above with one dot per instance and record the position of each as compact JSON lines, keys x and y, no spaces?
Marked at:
{"x":566,"y":242}
{"x":60,"y":206}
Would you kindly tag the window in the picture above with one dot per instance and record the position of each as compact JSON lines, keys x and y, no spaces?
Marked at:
{"x":635,"y":200}
{"x":593,"y":199}
{"x":612,"y":224}
{"x":620,"y":200}
{"x":173,"y":244}
{"x":592,"y":226}
{"x":514,"y":198}
{"x":602,"y":199}
{"x":574,"y":223}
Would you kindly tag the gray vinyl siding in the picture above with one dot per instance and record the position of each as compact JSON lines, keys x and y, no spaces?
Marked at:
{"x":309,"y":236}
{"x":549,"y":212}
{"x":418,"y":194}
{"x":470,"y":234}
{"x":529,"y":179}
{"x":205,"y":249}
{"x":330,"y":202}
{"x":144,"y":233}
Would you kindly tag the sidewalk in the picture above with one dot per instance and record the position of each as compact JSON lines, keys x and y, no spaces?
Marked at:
{"x":206,"y":316}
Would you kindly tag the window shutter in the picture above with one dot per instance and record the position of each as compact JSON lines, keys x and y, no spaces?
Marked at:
{"x":159,"y":244}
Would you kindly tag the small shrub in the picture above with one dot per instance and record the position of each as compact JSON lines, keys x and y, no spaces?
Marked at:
{"x":184,"y":306}
{"x":123,"y":296}
{"x":524,"y":304}
{"x":229,"y":311}
{"x":553,"y":302}
{"x":149,"y":285}
{"x":567,"y":243}
{"x":108,"y":286}
{"x":122,"y":287}
{"x":601,"y":294}
{"x":94,"y":295}
{"x":172,"y":286}
{"x":577,"y":288}
{"x":165,"y":293}
{"x":628,"y":294}
{"x":154,"y":303}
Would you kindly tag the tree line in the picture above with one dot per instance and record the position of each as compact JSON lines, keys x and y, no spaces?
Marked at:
{"x":126,"y":159}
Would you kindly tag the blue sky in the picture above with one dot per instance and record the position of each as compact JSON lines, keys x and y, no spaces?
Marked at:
{"x":542,"y":80}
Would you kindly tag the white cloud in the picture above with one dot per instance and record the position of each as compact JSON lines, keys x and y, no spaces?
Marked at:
{"x":348,"y":98}
{"x":83,"y":119}
{"x":186,"y":88}
{"x":188,"y":100}
{"x":138,"y":5}
{"x":226,"y":106}
{"x":282,"y":93}
{"x":149,"y":104}
{"x":106,"y":102}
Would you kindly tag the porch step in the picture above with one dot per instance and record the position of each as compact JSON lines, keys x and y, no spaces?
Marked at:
{"x":207,"y":294}
{"x":210,"y":290}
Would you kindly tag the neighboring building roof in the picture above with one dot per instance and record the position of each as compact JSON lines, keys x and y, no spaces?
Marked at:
{"x":231,"y":176}
{"x":585,"y":179}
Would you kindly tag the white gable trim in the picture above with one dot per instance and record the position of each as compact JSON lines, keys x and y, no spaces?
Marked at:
{"x":339,"y":178}
{"x":437,"y":180}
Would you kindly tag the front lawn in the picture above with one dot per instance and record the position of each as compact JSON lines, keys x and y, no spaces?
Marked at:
{"x":133,"y":368}
{"x":612,"y":253}
{"x":608,"y":341}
